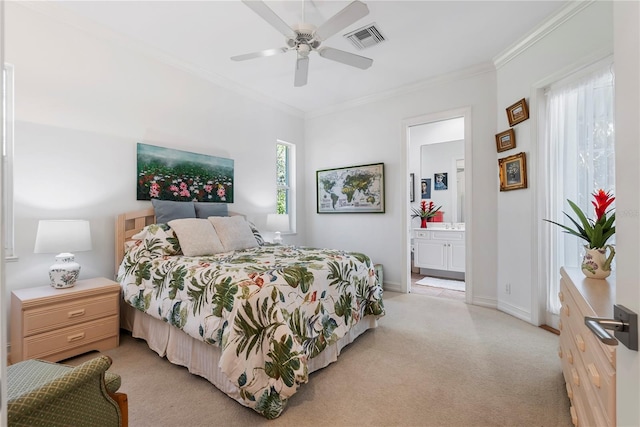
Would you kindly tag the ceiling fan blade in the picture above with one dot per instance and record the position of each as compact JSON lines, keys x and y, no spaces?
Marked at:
{"x":269,"y":15}
{"x":302,"y":71}
{"x":345,"y":57}
{"x":261,"y":54}
{"x":347,"y":16}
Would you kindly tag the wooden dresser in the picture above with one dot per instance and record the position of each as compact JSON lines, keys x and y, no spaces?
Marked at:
{"x":55,"y":324}
{"x":588,"y":365}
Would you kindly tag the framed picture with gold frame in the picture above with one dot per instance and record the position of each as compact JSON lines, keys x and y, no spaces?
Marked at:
{"x":513,"y":172}
{"x":506,"y":140}
{"x":518,"y":112}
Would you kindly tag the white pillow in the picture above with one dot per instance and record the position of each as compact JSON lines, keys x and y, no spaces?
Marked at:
{"x":234,"y":232}
{"x":196,"y":236}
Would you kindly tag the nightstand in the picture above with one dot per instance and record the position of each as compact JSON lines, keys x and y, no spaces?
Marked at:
{"x":55,"y":324}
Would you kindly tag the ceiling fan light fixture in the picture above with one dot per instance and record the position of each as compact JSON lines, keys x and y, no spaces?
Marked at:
{"x":304,"y":49}
{"x":305,"y":38}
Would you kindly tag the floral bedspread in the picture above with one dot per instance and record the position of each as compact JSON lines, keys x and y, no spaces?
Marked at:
{"x":270,"y":309}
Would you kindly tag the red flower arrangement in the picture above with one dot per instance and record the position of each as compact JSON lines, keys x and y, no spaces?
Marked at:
{"x":427,"y":210}
{"x":594,"y":232}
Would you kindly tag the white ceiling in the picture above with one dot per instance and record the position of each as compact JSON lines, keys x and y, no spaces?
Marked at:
{"x":424,"y":39}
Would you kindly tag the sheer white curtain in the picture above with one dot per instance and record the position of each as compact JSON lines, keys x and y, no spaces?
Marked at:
{"x":577,"y":159}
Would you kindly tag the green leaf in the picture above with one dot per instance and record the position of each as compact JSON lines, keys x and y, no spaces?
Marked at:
{"x":298,"y":276}
{"x":284,"y":362}
{"x":224,"y":296}
{"x":270,"y":404}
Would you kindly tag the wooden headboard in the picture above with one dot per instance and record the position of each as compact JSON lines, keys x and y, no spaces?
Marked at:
{"x":128,"y":224}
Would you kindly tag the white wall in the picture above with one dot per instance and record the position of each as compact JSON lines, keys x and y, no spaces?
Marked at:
{"x":82,"y":104}
{"x":373,"y":133}
{"x":583,"y":38}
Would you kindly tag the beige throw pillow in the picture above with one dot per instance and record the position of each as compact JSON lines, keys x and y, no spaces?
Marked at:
{"x":234,"y":232}
{"x":197,"y":237}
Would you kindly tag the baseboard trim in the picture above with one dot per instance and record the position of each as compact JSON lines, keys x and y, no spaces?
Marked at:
{"x":392,"y":287}
{"x":515,"y":311}
{"x":484,"y":302}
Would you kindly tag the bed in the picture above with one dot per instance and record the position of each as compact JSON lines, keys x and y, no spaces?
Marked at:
{"x":254,"y":321}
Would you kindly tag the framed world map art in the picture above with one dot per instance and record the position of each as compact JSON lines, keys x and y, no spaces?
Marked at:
{"x":353,"y":189}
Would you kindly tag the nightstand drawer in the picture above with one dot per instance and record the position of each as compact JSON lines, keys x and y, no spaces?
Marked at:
{"x":55,"y":324}
{"x":50,"y":343}
{"x":64,"y":314}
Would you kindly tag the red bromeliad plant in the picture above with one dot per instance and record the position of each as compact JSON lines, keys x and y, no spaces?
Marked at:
{"x":427,"y":210}
{"x":594,"y":232}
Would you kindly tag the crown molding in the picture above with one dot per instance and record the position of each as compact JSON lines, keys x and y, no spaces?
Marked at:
{"x":483,"y":68}
{"x":99,"y":31}
{"x":544,"y":29}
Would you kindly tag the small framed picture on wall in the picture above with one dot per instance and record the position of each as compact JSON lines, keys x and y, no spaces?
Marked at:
{"x":440,"y":181}
{"x":506,"y":140}
{"x":412,"y":196}
{"x":518,"y":112}
{"x":513,"y":172}
{"x":425,"y":186}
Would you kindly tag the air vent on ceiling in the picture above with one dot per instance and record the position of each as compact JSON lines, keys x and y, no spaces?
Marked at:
{"x":366,"y":36}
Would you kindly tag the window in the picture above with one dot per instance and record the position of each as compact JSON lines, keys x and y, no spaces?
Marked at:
{"x":578,"y":158}
{"x":285,"y":180}
{"x":7,"y":159}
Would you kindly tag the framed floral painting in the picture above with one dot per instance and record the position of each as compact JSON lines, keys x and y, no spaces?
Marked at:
{"x":168,"y":174}
{"x":513,"y":172}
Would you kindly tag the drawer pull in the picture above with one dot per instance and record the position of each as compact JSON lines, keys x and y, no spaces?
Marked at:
{"x":567,"y":312}
{"x":76,"y":337}
{"x":575,"y":376}
{"x":76,"y":313}
{"x":570,"y":357}
{"x":569,"y":391}
{"x":580,"y":342}
{"x":595,"y":375}
{"x":561,"y":296}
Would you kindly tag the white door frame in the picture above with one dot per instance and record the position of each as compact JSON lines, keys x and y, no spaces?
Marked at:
{"x":464,"y":112}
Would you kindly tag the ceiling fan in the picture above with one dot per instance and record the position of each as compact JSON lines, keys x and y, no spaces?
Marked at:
{"x":305,"y":38}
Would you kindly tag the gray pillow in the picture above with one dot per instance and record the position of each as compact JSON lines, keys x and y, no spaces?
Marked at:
{"x":167,"y":210}
{"x":205,"y":210}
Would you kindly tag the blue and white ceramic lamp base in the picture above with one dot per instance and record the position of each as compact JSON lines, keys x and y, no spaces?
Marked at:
{"x":64,"y":272}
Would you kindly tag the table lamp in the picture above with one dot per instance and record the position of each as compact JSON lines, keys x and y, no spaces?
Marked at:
{"x":278,"y":223}
{"x":63,"y":237}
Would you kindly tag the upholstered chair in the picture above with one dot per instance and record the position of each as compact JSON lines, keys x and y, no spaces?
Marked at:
{"x":53,"y":394}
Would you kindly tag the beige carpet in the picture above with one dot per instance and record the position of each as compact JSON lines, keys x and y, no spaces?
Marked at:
{"x":431,"y":362}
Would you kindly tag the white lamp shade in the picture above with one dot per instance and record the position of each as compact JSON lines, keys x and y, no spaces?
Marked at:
{"x":56,"y":236}
{"x":278,"y":222}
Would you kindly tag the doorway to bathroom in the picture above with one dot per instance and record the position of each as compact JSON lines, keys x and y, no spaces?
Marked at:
{"x":436,"y":160}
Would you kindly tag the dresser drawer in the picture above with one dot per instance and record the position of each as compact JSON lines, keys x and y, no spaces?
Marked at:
{"x":68,"y":313}
{"x":588,"y":365}
{"x":61,"y":340}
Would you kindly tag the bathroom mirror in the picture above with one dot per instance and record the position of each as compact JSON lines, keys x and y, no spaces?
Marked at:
{"x":445,"y":158}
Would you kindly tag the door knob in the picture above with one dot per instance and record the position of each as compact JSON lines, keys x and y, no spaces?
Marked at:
{"x":624,"y":324}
